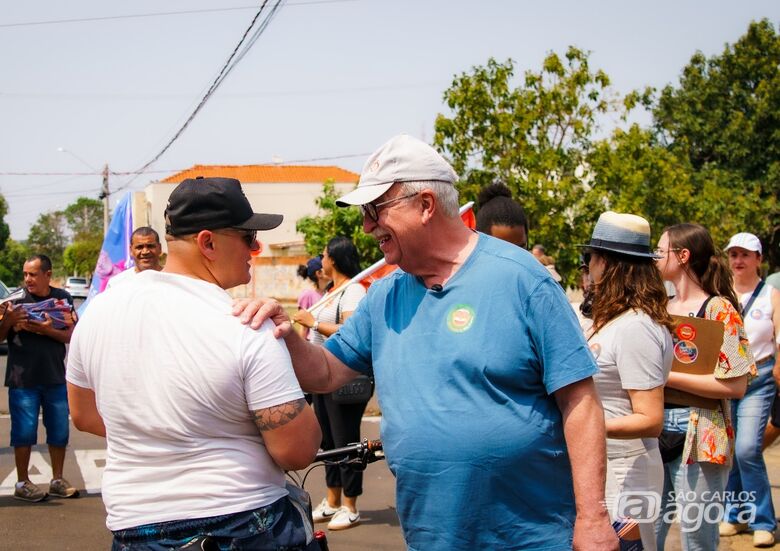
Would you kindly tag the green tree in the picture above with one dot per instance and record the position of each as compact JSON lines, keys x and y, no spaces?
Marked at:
{"x":535,"y":136}
{"x":48,"y":236}
{"x":81,"y":257}
{"x":632,"y":172}
{"x":334,"y":221}
{"x":5,"y":232}
{"x":724,"y":117}
{"x":12,"y":259}
{"x":85,"y":219}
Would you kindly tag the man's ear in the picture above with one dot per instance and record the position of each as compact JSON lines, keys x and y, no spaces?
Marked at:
{"x":428,"y":201}
{"x":206,"y":244}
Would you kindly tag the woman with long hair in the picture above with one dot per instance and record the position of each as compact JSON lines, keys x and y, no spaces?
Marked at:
{"x":340,"y":423}
{"x":760,"y":309}
{"x":631,"y":342}
{"x":696,"y":478}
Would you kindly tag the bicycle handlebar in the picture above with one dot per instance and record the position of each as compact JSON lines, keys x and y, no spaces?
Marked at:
{"x":358,"y":449}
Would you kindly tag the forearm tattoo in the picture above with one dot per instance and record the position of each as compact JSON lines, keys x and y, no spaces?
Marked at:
{"x":277,"y":416}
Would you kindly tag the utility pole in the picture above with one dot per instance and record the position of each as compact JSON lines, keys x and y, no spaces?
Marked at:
{"x":104,"y":195}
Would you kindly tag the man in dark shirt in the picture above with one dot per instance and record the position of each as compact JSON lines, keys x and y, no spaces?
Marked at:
{"x":35,"y":377}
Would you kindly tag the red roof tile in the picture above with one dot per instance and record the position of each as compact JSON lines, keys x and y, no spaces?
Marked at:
{"x":267,"y":174}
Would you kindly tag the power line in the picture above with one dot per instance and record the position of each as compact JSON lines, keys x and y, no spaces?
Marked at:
{"x":226,"y":69}
{"x":157,"y":14}
{"x":161,"y":171}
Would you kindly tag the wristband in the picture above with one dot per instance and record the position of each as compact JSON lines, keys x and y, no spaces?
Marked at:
{"x":316,"y":326}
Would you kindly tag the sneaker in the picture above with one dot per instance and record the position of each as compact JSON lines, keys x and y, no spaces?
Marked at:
{"x":61,"y":488}
{"x":343,"y":519}
{"x":763,"y":538}
{"x":323,"y":512}
{"x":731,"y":528}
{"x":27,"y":491}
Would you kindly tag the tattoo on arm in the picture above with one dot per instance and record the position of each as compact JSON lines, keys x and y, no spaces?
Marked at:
{"x":277,"y":416}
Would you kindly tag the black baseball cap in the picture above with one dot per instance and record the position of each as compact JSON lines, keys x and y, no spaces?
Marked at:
{"x":212,"y":204}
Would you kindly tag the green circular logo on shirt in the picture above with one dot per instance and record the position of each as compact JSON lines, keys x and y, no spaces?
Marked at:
{"x":460,"y":318}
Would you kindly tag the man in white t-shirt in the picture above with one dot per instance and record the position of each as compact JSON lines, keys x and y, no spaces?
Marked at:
{"x":145,"y":250}
{"x":202,"y":415}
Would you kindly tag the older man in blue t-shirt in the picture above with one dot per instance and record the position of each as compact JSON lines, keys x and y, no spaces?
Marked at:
{"x":491,"y":423}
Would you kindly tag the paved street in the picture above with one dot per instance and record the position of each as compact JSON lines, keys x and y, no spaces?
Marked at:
{"x":79,"y":524}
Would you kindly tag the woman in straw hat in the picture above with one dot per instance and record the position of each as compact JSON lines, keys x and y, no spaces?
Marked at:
{"x":696,"y":478}
{"x":632,"y":345}
{"x":760,"y":309}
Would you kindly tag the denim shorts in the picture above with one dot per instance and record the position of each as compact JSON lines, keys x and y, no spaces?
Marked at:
{"x":24,"y":405}
{"x":275,"y":527}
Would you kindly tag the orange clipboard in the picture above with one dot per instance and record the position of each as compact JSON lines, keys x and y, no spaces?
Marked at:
{"x":697,"y":344}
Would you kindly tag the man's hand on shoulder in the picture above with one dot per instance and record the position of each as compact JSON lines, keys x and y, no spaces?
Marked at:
{"x":254,"y":312}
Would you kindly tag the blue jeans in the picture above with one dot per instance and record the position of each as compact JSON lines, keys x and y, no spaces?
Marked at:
{"x":692,"y":493}
{"x":748,"y":485}
{"x":24,"y":404}
{"x":276,"y":527}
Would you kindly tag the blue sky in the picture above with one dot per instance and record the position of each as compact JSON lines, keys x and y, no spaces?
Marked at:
{"x":327,"y":79}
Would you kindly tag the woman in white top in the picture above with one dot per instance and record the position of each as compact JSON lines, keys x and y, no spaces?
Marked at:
{"x":340,"y":423}
{"x":631,"y":342}
{"x":760,"y":309}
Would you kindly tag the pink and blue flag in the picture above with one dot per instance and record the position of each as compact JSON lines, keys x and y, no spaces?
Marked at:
{"x":115,"y":253}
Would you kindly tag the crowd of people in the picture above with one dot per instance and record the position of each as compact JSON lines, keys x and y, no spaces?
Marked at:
{"x":509,"y":420}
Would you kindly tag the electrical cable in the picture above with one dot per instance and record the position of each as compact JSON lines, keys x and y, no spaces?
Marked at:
{"x":226,"y":68}
{"x":157,"y":14}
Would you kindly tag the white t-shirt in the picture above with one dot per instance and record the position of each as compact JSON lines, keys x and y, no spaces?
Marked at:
{"x":338,"y":304}
{"x":176,"y":377}
{"x":759,"y":324}
{"x":121,"y":277}
{"x":633,"y":353}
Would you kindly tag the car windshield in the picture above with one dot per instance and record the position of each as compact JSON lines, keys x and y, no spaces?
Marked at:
{"x":77,"y":281}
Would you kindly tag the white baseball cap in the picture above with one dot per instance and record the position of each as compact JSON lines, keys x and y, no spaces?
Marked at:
{"x":402,"y":159}
{"x":746,"y":241}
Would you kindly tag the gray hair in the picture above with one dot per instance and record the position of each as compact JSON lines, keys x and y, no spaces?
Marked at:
{"x":446,"y":194}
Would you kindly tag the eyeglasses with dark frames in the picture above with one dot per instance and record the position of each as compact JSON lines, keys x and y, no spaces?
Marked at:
{"x":372,"y":209}
{"x":249,"y":237}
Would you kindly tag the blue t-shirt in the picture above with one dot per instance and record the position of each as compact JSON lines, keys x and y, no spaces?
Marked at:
{"x":465,"y":378}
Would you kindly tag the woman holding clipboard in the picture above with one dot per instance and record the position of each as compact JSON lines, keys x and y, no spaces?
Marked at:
{"x":696,"y":479}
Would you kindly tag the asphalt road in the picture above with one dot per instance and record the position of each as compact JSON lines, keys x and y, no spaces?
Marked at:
{"x":79,"y":524}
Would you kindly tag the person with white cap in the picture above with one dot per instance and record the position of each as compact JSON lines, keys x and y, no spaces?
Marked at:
{"x":631,"y":341}
{"x":491,"y":422}
{"x":695,"y":477}
{"x":760,"y":310}
{"x":202,"y":415}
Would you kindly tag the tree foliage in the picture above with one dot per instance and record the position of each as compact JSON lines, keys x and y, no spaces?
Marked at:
{"x":724,"y":118}
{"x":81,"y":256}
{"x":48,"y":236}
{"x":335,"y":221}
{"x":535,"y":135}
{"x":12,"y":259}
{"x":80,"y":223}
{"x":85,"y":219}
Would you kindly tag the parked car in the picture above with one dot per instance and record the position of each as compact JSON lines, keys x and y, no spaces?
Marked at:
{"x":78,"y":287}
